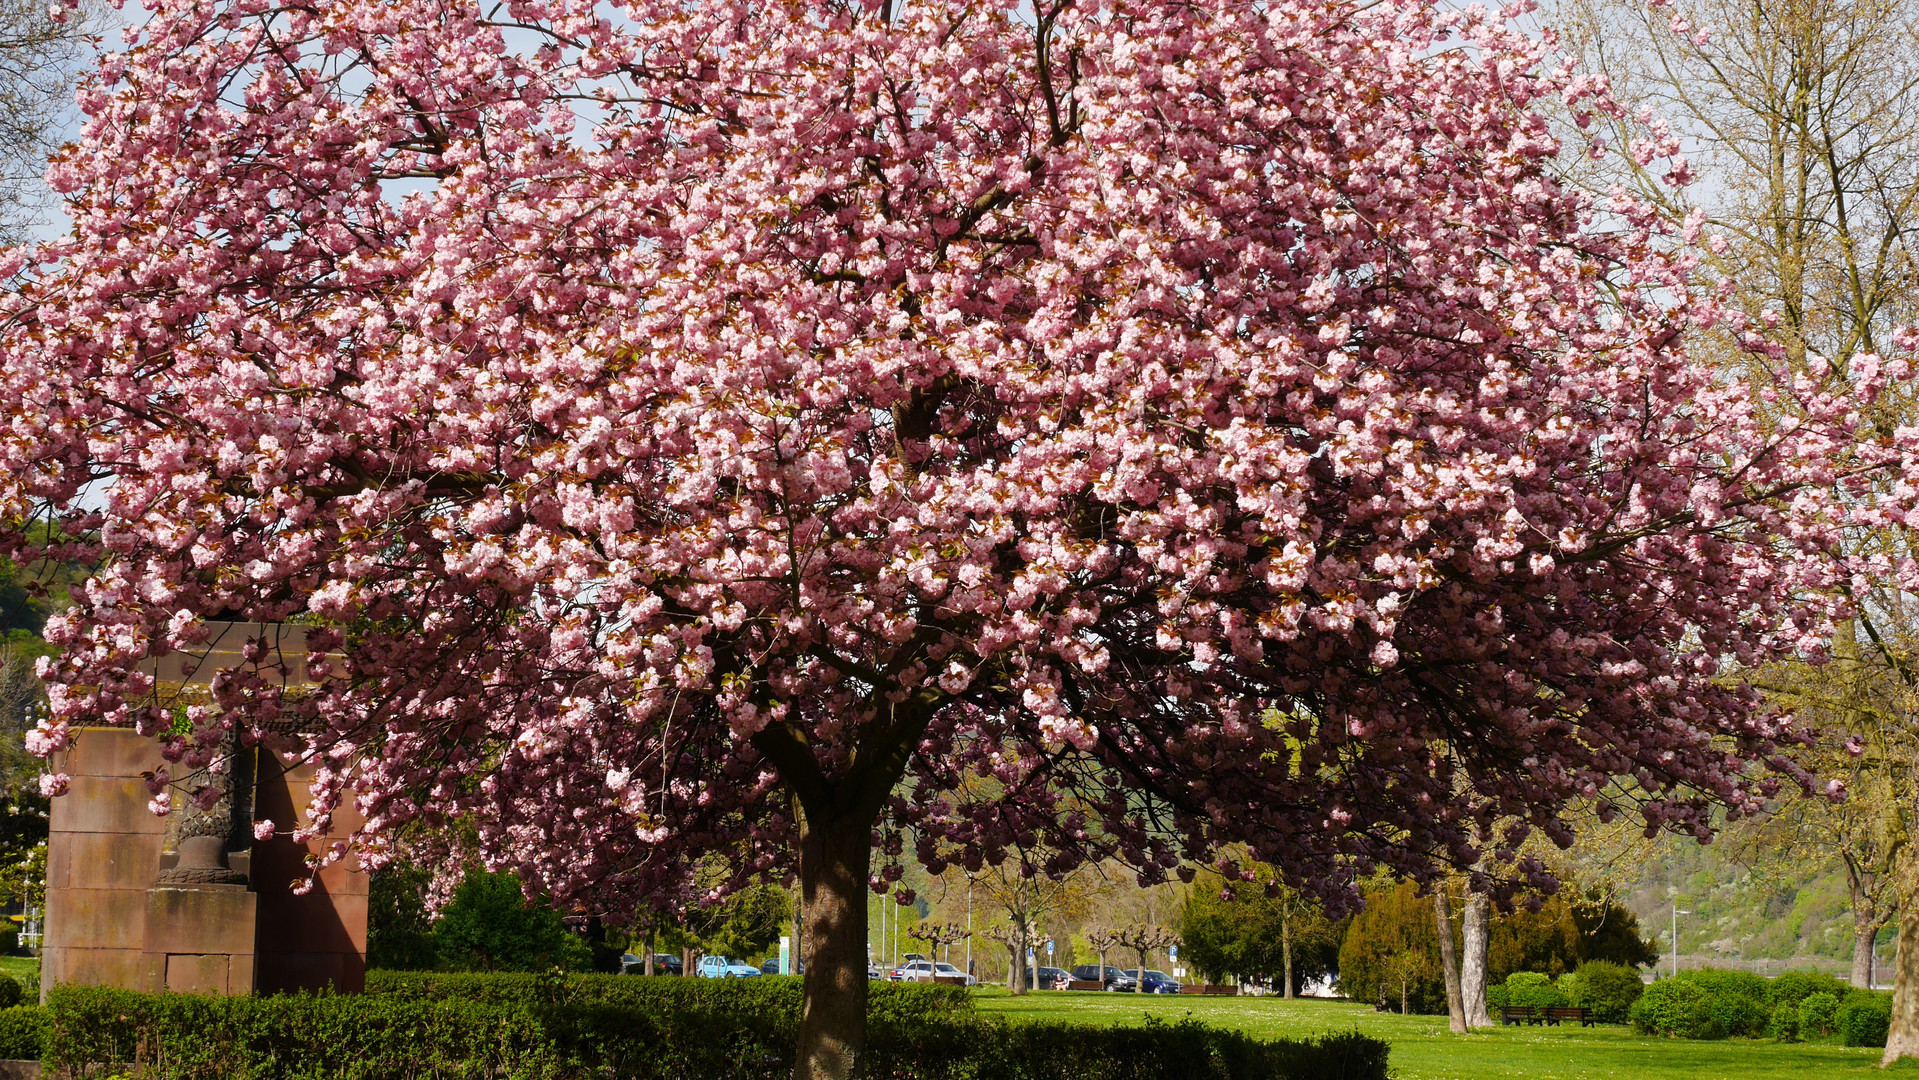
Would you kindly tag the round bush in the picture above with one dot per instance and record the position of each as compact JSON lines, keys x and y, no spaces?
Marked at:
{"x":1532,"y":988}
{"x":1737,"y":1014}
{"x":1817,"y":1013}
{"x":1608,"y":989}
{"x":1677,"y":1008}
{"x":1864,"y":1019}
{"x":11,"y":992}
{"x":1784,"y":1025}
{"x":1794,"y":987}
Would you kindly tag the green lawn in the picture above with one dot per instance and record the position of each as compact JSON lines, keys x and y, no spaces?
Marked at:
{"x":24,"y":968}
{"x":1424,"y":1050}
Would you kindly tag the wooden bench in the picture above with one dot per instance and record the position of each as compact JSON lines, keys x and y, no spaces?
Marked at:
{"x":1085,"y":984}
{"x":1583,"y":1016}
{"x":1510,"y":1015}
{"x":1218,"y":989}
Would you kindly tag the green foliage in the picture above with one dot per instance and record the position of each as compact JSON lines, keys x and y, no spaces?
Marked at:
{"x":745,"y":924}
{"x":1608,"y":989}
{"x":1246,"y":935}
{"x":1677,"y":1008}
{"x":1792,"y":987}
{"x":1568,"y":929}
{"x":490,"y":925}
{"x":23,"y":1032}
{"x":1818,"y":1013}
{"x":456,"y":1027}
{"x":1784,"y":1024}
{"x":1864,"y":1018}
{"x":770,"y":997}
{"x":1709,"y":1003}
{"x":11,"y":992}
{"x":399,"y":935}
{"x":1534,"y":989}
{"x":1391,"y":951}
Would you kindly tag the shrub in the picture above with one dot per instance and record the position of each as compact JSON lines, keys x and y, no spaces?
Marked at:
{"x":1532,"y":988}
{"x":771,"y":998}
{"x":1497,"y":998}
{"x":23,"y":1032}
{"x":1677,"y":1008}
{"x":1793,"y":987}
{"x":1737,"y":1014}
{"x":1817,"y":1013}
{"x":1608,"y":989}
{"x":11,"y":992}
{"x":1864,"y":1018}
{"x":1784,"y":1025}
{"x":663,"y":1028}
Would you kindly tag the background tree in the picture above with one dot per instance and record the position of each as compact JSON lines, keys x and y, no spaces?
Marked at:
{"x":760,"y":417}
{"x":1144,"y":940}
{"x":940,"y":936}
{"x":1257,"y":933}
{"x":1018,"y":936}
{"x":41,"y":48}
{"x":399,"y":930}
{"x":1803,"y":118}
{"x":490,"y":925}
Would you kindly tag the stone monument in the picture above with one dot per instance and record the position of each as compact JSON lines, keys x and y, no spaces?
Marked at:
{"x":192,"y":902}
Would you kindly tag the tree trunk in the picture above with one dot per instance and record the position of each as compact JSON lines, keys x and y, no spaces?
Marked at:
{"x":1286,"y":952}
{"x":649,"y":952}
{"x":1472,"y":967}
{"x":1902,"y":1039}
{"x":1862,"y":935}
{"x":1448,"y":960}
{"x":835,"y":860}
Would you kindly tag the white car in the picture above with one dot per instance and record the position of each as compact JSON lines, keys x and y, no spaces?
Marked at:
{"x":926,"y":971}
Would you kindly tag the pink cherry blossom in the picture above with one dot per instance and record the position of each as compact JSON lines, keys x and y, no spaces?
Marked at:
{"x":1142,"y":427}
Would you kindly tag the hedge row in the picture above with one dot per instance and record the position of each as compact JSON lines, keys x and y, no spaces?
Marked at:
{"x":1711,"y":1004}
{"x":728,"y":1031}
{"x":769,"y":997}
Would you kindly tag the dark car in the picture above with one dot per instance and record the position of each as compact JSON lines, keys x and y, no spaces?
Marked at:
{"x":1113,"y":979}
{"x":772,"y":967}
{"x":1155,"y":982}
{"x":1047,"y":978}
{"x":663,"y":964}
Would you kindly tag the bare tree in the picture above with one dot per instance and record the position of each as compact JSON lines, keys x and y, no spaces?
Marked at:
{"x":41,"y":48}
{"x":1801,"y":118}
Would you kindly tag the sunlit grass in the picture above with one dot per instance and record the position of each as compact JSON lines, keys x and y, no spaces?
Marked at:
{"x":1424,"y":1050}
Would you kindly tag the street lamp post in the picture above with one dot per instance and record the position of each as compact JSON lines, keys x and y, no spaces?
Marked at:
{"x":1676,"y":912}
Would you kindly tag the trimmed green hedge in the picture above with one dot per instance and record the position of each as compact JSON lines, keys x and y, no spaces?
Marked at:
{"x":23,"y":1032}
{"x":1712,"y":1004}
{"x":579,"y":1028}
{"x":767,"y":997}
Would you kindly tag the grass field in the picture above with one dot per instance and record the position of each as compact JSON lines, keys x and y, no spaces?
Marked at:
{"x":1424,"y":1050}
{"x":24,"y":968}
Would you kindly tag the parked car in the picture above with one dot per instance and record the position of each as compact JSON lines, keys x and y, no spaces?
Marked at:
{"x":719,"y":967}
{"x":663,"y":964}
{"x":944,"y":970}
{"x":1112,"y":979}
{"x":1047,"y":978}
{"x":1155,"y":982}
{"x":873,"y":973}
{"x":772,"y":966}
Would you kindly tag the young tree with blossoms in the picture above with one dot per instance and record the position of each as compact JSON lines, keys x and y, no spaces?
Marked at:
{"x":718,"y":431}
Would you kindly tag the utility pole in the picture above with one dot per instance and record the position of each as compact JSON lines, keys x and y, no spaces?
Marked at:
{"x":1675,"y":936}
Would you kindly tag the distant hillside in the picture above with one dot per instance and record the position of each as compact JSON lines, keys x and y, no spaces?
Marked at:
{"x":1765,"y":920}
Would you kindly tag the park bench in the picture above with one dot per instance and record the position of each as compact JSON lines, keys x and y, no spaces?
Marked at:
{"x":1518,"y":1014}
{"x":1583,"y":1016}
{"x":1219,"y":989}
{"x":1085,"y":984}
